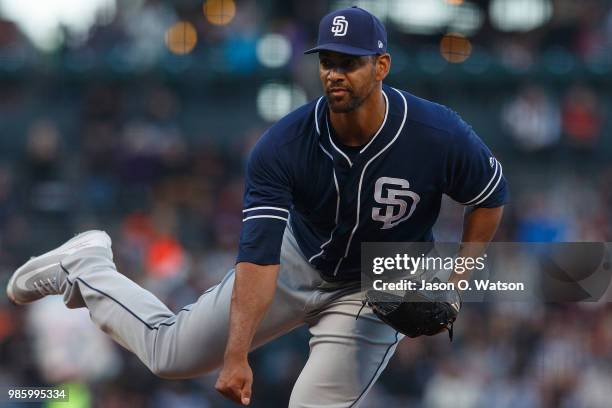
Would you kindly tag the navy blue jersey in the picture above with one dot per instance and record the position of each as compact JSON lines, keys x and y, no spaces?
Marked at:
{"x":388,"y":191}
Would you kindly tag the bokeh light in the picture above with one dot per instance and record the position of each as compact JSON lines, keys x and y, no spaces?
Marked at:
{"x":377,"y":7}
{"x":273,"y":50}
{"x":419,"y":17}
{"x":47,"y":22}
{"x":467,"y":18}
{"x":181,"y":38}
{"x":219,"y":12}
{"x":520,"y":15}
{"x":275,"y":100}
{"x":455,"y":48}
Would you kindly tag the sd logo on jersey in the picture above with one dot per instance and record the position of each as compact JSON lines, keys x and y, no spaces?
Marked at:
{"x":396,"y":208}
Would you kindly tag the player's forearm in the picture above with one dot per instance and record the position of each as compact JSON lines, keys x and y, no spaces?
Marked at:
{"x":479,"y":227}
{"x":480,"y":224}
{"x":254,"y":287}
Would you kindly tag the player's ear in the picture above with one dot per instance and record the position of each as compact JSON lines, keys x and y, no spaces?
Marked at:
{"x":383,"y":65}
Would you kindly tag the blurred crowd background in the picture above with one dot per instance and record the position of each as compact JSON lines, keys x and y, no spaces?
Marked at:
{"x":137,"y":117}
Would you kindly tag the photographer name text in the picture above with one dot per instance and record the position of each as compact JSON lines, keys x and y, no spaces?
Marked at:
{"x":463,"y":284}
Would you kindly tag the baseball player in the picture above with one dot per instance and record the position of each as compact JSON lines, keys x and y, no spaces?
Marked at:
{"x":364,"y":162}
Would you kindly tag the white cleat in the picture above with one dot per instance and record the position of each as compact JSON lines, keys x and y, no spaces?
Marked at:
{"x":42,"y":275}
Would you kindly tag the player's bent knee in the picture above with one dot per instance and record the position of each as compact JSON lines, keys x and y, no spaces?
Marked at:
{"x":172,"y":372}
{"x":165,"y":372}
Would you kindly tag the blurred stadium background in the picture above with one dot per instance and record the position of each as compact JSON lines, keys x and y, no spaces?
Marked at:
{"x":136,"y":117}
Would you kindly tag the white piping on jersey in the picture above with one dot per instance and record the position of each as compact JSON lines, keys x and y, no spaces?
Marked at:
{"x":323,"y":245}
{"x":264,"y":216}
{"x":265,"y":208}
{"x":381,"y":126}
{"x":371,"y":140}
{"x":348,"y":245}
{"x":316,"y":119}
{"x":484,"y":190}
{"x":326,"y":152}
{"x":501,"y":172}
{"x":334,"y":145}
{"x":337,"y":190}
{"x":338,"y":200}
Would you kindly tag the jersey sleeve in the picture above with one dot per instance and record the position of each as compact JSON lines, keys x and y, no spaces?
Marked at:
{"x":266,"y":203}
{"x":474,"y":176}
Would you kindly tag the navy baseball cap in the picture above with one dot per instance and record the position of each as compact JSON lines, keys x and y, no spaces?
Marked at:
{"x":352,"y":31}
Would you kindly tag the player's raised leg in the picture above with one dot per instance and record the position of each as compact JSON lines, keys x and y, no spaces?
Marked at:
{"x":187,"y":344}
{"x":347,"y":356}
{"x":42,"y":275}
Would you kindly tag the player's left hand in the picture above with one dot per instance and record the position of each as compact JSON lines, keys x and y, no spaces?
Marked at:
{"x":417,"y":313}
{"x":235,"y":381}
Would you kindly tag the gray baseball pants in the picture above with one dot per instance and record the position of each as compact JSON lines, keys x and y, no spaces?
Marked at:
{"x":346,"y":354}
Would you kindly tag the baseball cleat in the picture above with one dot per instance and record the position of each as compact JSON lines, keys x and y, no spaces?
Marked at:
{"x":42,"y":275}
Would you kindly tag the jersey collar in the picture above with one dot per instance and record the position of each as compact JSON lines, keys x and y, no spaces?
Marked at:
{"x":394,"y":119}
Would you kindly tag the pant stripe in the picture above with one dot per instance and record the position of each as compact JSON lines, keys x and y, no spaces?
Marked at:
{"x":119,"y":303}
{"x":376,"y":373}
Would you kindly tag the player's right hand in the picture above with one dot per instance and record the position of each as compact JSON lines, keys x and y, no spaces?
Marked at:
{"x":235,"y":380}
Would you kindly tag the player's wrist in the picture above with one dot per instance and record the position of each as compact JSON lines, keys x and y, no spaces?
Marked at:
{"x":236,"y":356}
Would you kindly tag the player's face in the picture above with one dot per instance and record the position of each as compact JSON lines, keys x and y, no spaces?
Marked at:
{"x":347,"y":79}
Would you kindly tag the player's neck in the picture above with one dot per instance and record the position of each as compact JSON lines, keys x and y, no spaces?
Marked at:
{"x":357,"y":127}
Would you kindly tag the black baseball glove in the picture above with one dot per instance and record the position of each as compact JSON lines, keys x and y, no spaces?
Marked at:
{"x":417,"y":312}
